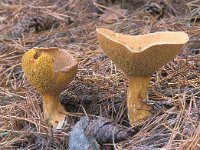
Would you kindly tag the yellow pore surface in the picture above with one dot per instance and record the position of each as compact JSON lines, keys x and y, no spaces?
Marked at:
{"x":42,"y":69}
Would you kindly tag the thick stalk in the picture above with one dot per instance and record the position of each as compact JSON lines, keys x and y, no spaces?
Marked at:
{"x":54,"y":112}
{"x":138,"y":110}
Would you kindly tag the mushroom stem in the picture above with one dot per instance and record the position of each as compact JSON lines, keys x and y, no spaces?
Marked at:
{"x":138,"y":110}
{"x":54,"y":112}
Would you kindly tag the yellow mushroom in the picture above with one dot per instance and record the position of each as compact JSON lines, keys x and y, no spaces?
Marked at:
{"x":139,"y":57}
{"x":50,"y":70}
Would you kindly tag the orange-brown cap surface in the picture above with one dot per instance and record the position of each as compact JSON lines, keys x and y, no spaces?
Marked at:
{"x":141,"y":55}
{"x":49,"y":70}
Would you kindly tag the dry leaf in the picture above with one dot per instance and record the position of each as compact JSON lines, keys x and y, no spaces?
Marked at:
{"x":180,"y":61}
{"x":88,"y":131}
{"x":106,"y":131}
{"x":112,"y":14}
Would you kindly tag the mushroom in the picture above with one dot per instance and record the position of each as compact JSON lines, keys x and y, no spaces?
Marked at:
{"x":50,"y":70}
{"x":139,"y":57}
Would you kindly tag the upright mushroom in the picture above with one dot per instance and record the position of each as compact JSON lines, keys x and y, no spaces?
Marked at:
{"x":139,"y":57}
{"x":50,"y":70}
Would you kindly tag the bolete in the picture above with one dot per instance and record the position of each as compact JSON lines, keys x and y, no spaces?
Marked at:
{"x":50,"y":70}
{"x":139,"y":57}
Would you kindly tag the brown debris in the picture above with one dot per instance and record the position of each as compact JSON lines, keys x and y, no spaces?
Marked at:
{"x":113,"y":14}
{"x":106,"y":131}
{"x":35,"y":22}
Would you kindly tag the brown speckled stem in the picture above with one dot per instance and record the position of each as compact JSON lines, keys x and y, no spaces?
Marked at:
{"x":54,"y":112}
{"x":138,"y":110}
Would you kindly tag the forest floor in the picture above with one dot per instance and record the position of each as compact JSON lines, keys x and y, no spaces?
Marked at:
{"x":99,"y":87}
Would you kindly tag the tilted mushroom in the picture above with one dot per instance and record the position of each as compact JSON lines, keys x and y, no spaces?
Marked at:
{"x":50,"y":70}
{"x":139,"y":57}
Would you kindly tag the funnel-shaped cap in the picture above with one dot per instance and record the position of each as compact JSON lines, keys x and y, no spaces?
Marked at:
{"x":141,"y":55}
{"x":49,"y":70}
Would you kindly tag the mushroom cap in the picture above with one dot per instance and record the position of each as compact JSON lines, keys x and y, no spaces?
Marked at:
{"x":49,"y":70}
{"x":141,"y":55}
